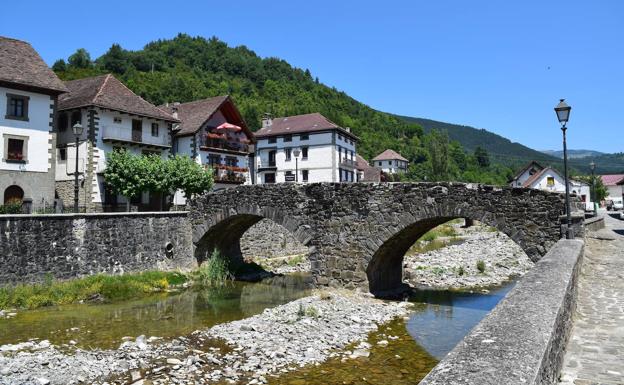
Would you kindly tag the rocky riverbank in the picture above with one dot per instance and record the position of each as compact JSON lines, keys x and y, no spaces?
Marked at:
{"x":306,"y":331}
{"x":481,"y":258}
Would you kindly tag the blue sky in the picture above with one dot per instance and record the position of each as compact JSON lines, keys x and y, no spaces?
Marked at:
{"x":498,"y":65}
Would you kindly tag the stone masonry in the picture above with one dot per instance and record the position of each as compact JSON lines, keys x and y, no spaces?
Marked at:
{"x":357,"y":233}
{"x":74,"y":245}
{"x":267,"y":239}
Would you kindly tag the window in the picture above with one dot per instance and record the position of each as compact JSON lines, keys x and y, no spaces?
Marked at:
{"x":213,"y":160}
{"x":288,"y":138}
{"x":288,"y":152}
{"x":154,"y":129}
{"x":76,"y":117}
{"x":272,"y":140}
{"x":304,"y":175}
{"x":63,"y":153}
{"x":304,"y":137}
{"x":339,"y":137}
{"x":231,"y":161}
{"x":389,"y":163}
{"x":117,"y":120}
{"x":550,"y":181}
{"x":17,"y":107}
{"x":304,"y":152}
{"x":15,"y":148}
{"x":62,"y":121}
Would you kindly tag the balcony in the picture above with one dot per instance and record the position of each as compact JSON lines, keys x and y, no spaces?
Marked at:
{"x":207,"y":143}
{"x":125,"y":135}
{"x":348,"y":163}
{"x":229,"y":174}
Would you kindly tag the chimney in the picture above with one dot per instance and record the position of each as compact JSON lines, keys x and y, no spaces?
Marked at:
{"x":348,"y":129}
{"x":174,"y":107}
{"x":267,"y":120}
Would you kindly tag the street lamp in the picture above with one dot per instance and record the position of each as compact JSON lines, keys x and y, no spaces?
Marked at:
{"x":592,"y":166}
{"x":563,"y":114}
{"x":296,"y":153}
{"x":77,"y":129}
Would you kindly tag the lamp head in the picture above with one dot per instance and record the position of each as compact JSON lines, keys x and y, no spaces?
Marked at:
{"x":563,"y":111}
{"x":77,"y":129}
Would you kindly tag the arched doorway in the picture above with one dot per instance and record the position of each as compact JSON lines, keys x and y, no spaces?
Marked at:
{"x":13,"y":195}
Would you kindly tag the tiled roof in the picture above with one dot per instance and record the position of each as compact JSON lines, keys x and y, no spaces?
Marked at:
{"x":20,"y":64}
{"x":300,"y":124}
{"x":389,"y":155}
{"x":532,"y":163}
{"x":105,"y":91}
{"x":361,"y":163}
{"x":193,"y":115}
{"x":612,"y":180}
{"x":370,"y":174}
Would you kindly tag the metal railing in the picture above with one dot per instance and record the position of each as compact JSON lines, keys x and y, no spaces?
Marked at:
{"x":128,"y":135}
{"x":223,"y":144}
{"x":348,"y":162}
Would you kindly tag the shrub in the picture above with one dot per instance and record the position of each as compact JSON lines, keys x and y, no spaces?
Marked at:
{"x":461,"y":271}
{"x":214,"y":271}
{"x":11,"y":208}
{"x":481,"y":266}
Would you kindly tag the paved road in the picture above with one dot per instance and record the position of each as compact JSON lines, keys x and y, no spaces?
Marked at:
{"x":595,"y":352}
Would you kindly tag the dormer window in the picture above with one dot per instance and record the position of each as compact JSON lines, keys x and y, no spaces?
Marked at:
{"x":17,"y":107}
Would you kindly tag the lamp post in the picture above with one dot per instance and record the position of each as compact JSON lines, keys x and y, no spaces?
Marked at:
{"x":592,"y":165}
{"x":296,"y":153}
{"x":77,"y":129}
{"x":563,"y":114}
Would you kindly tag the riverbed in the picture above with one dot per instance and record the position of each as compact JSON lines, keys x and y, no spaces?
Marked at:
{"x":400,"y":351}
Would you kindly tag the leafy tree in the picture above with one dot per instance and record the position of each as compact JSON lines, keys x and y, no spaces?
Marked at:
{"x":482,"y":156}
{"x":116,"y":59}
{"x":59,"y":66}
{"x":80,"y":59}
{"x":185,"y":174}
{"x":437,"y":146}
{"x":124,"y":176}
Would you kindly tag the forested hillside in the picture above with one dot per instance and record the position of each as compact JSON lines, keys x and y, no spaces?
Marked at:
{"x":187,"y":68}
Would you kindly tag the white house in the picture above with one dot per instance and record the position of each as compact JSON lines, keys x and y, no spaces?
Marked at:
{"x":614,"y":190}
{"x":28,"y":95}
{"x":390,"y":162}
{"x":535,"y":176}
{"x":213,"y":132}
{"x":304,"y":148}
{"x":113,"y":117}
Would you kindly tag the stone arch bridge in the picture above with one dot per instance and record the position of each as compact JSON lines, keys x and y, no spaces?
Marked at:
{"x":358,"y":233}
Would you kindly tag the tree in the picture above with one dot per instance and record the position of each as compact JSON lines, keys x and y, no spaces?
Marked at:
{"x":59,"y":66}
{"x":116,"y":59}
{"x":437,"y":145}
{"x":80,"y":59}
{"x":482,"y":156}
{"x":124,"y":176}
{"x":185,"y":174}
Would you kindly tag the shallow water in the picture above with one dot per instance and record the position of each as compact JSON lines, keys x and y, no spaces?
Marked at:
{"x":162,"y":315}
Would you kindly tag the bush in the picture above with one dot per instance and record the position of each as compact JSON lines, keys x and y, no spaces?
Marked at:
{"x":214,"y":271}
{"x":461,"y":271}
{"x":11,"y":208}
{"x":481,"y":266}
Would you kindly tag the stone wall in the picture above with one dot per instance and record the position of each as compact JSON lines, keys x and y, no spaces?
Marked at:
{"x":76,"y":245}
{"x":522,"y":340}
{"x":267,"y":239}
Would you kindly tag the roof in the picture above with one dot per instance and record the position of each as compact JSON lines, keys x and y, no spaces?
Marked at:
{"x":194,"y":114}
{"x":105,"y":91}
{"x":300,"y":124}
{"x":526,"y":167}
{"x":21,"y":65}
{"x":612,"y":180}
{"x":538,"y":175}
{"x":370,"y":174}
{"x":389,"y":155}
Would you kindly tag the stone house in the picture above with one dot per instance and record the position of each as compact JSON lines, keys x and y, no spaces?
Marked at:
{"x":304,"y":148}
{"x":390,"y":162}
{"x":213,"y":132}
{"x":113,"y":117}
{"x":29,"y":91}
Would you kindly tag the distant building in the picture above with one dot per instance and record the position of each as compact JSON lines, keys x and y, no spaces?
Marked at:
{"x":29,"y":90}
{"x":366,"y":172}
{"x":326,"y":151}
{"x":613,"y":183}
{"x":535,"y":176}
{"x":390,"y":162}
{"x":112,"y":117}
{"x":213,"y":132}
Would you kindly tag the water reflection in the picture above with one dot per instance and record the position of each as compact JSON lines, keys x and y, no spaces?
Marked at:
{"x":163,"y":315}
{"x":443,"y":318}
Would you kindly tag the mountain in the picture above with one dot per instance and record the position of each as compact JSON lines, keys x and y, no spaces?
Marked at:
{"x":574,"y":153}
{"x":500,"y":149}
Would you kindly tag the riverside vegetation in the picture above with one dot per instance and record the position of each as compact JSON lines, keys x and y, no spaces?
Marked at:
{"x":214,"y":271}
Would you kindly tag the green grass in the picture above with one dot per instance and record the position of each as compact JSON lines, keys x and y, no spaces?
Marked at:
{"x":481,"y":266}
{"x":294,"y":261}
{"x":110,"y":287}
{"x":214,"y":271}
